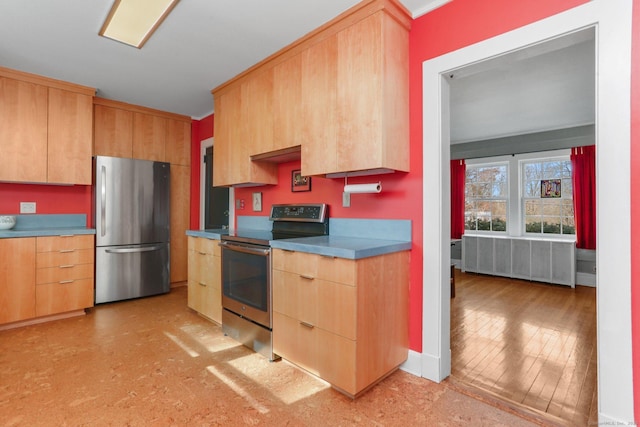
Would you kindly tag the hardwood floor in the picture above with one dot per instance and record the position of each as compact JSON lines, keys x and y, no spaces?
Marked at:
{"x":527,"y":342}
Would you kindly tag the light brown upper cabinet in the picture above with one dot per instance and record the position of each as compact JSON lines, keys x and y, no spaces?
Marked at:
{"x":319,"y":122}
{"x":287,"y":103}
{"x":257,"y":112}
{"x":70,"y":137}
{"x":113,"y":131}
{"x":149,"y":132}
{"x":341,"y":94}
{"x":45,"y":129}
{"x":231,"y":152}
{"x":177,"y":144}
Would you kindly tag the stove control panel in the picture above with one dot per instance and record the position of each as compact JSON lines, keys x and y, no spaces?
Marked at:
{"x":310,"y":212}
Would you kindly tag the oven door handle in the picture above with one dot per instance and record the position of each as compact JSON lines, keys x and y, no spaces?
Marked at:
{"x":245,"y":249}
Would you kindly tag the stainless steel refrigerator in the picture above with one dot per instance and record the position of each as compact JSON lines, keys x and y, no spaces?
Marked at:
{"x":132,"y":228}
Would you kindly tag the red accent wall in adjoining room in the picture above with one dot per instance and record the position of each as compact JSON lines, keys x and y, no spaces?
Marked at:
{"x":50,"y":199}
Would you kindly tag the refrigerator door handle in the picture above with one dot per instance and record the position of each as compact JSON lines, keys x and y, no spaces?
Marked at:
{"x":103,"y":201}
{"x":133,"y":250}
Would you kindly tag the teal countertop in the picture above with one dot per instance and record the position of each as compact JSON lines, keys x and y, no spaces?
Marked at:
{"x":348,"y":238}
{"x":341,"y":246}
{"x":214,"y":234}
{"x":37,"y":225}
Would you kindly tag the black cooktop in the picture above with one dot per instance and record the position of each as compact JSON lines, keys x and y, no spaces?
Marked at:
{"x":289,"y":221}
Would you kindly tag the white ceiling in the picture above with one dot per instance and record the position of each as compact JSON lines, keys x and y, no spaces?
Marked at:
{"x":204,"y":43}
{"x":200,"y":45}
{"x":543,"y":87}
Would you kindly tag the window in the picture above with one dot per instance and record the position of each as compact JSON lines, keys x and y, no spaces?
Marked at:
{"x":486,"y":198}
{"x":548,"y":215}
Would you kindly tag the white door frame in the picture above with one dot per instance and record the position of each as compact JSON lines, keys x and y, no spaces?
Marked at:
{"x":204,"y":144}
{"x":612,"y":20}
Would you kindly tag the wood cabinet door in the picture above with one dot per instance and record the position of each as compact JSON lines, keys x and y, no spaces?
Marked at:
{"x":113,"y":132}
{"x":319,"y":114}
{"x":149,"y":132}
{"x":70,"y":144}
{"x":257,"y":113}
{"x":179,"y":214}
{"x":23,"y":131}
{"x":287,"y":103}
{"x":17,"y":279}
{"x":227,"y":119}
{"x":360,"y":95}
{"x":64,"y":296}
{"x":178,"y":143}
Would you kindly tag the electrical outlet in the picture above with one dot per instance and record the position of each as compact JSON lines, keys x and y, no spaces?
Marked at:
{"x":346,"y":200}
{"x":27,"y":207}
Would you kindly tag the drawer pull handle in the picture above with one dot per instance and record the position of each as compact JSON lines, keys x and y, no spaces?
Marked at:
{"x":67,"y":266}
{"x":202,"y":253}
{"x":64,"y":282}
{"x":66,"y":235}
{"x":307,"y":276}
{"x":307,"y":325}
{"x":202,"y":284}
{"x":66,"y":251}
{"x":328,"y":256}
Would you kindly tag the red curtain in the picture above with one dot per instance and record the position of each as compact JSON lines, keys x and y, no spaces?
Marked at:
{"x":458,"y":171}
{"x":583,"y":164}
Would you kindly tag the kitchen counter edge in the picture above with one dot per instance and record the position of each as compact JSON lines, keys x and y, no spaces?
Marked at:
{"x":42,"y":232}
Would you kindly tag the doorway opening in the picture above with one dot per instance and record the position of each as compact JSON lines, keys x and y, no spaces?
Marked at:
{"x":613,"y":47}
{"x":214,"y":201}
{"x":529,"y":343}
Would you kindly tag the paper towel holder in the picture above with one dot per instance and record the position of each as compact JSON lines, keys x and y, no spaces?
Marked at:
{"x":362,"y":188}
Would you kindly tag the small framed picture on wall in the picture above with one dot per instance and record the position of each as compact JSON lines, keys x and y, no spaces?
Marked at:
{"x":299,"y":182}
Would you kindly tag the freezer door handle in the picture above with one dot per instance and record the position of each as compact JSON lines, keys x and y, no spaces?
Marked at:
{"x":133,"y":250}
{"x":103,"y":201}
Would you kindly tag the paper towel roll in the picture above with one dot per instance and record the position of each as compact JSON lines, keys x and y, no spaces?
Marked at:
{"x":363,"y":188}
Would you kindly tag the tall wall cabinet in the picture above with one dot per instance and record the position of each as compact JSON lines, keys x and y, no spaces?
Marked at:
{"x":45,"y":128}
{"x":339,"y":96}
{"x":131,"y":131}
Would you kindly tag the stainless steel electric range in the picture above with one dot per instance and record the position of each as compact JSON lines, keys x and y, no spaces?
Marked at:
{"x":246,"y":272}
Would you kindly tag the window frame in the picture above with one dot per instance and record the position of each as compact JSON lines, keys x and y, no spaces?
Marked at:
{"x":488,"y":164}
{"x":523,"y":199}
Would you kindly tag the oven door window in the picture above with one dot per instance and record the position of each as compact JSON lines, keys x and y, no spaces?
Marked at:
{"x":245,"y":278}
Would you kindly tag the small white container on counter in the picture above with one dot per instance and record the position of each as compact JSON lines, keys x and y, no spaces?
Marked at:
{"x":7,"y":222}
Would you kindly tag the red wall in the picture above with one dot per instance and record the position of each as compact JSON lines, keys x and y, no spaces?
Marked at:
{"x":50,"y":199}
{"x":458,"y":24}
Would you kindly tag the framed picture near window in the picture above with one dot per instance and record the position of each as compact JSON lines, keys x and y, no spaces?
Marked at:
{"x":300,"y":182}
{"x":551,"y":188}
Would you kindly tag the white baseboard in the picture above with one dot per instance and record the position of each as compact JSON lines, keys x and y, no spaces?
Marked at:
{"x":413,"y":364}
{"x":586,"y":279}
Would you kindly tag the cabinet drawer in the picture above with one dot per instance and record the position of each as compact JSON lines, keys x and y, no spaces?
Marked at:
{"x":205,"y":299}
{"x":327,"y":355}
{"x":204,"y":246}
{"x":204,"y":268}
{"x":317,"y":266}
{"x":52,"y":298}
{"x":64,"y":257}
{"x":64,"y":273}
{"x":327,"y":305}
{"x":58,"y":243}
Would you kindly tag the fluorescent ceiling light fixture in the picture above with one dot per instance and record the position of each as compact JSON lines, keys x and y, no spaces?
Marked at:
{"x":133,"y":21}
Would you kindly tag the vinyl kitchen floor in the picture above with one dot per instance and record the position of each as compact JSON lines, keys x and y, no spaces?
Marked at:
{"x":154,"y":362}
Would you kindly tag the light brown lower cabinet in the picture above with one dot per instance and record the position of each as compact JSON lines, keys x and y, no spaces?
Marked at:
{"x":64,"y":274}
{"x":345,"y":321}
{"x":44,"y":276}
{"x":204,"y":292}
{"x":17,"y":279}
